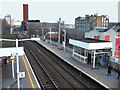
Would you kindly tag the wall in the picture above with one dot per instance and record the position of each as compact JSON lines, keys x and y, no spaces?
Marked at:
{"x":112,"y":33}
{"x":91,"y":34}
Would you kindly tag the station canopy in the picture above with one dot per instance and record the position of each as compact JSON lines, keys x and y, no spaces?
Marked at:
{"x":88,"y":43}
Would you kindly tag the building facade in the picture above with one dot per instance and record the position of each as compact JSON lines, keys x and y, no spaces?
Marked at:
{"x":88,"y":23}
{"x":42,"y":27}
{"x":109,"y":35}
{"x":114,"y":25}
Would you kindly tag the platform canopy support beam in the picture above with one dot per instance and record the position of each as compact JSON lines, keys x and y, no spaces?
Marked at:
{"x":94,"y":59}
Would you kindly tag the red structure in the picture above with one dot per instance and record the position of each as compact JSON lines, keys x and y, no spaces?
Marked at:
{"x":25,"y":13}
{"x":107,"y":38}
{"x":96,"y":37}
{"x":117,"y":46}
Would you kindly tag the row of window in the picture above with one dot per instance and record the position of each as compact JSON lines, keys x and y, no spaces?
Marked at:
{"x":107,"y":37}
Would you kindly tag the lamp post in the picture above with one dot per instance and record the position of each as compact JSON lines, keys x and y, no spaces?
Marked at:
{"x":12,"y":58}
{"x":59,"y":30}
{"x":42,"y":34}
{"x":64,"y":42}
{"x":50,"y":35}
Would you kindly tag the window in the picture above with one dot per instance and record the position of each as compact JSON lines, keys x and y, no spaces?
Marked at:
{"x":96,"y":37}
{"x":107,"y":38}
{"x":119,"y":48}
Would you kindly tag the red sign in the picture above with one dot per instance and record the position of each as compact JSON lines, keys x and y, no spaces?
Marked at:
{"x":117,"y":45}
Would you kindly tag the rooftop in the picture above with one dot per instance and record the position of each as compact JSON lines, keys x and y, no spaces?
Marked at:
{"x":88,"y":43}
{"x":89,"y":40}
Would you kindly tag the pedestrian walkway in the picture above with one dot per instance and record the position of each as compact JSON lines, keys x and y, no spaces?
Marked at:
{"x":27,"y":82}
{"x":98,"y":74}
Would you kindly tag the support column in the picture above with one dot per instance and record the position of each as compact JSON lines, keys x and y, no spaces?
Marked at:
{"x":13,"y":74}
{"x":94,"y":59}
{"x":84,"y":55}
{"x":18,"y":78}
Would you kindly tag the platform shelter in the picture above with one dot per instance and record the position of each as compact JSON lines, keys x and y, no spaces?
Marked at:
{"x":91,"y":51}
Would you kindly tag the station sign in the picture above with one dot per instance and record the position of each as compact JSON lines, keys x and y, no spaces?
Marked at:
{"x":22,"y":74}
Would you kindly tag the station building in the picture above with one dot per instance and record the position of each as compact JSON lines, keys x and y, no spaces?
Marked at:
{"x":92,"y":51}
{"x":108,"y":35}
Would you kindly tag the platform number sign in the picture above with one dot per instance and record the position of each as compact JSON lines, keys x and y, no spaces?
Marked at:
{"x":119,"y":48}
{"x":22,"y":74}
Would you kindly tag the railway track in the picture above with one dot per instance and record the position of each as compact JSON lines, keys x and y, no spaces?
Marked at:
{"x":43,"y":77}
{"x":59,"y":75}
{"x":82,"y":78}
{"x":52,"y":72}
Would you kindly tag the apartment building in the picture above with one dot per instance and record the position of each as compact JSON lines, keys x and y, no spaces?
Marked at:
{"x":88,"y":23}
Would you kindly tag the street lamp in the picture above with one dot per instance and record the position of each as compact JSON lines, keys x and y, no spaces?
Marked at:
{"x":64,"y":42}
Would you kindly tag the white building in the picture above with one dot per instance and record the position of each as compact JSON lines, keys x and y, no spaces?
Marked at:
{"x":92,"y":51}
{"x":109,"y":35}
{"x":15,"y":24}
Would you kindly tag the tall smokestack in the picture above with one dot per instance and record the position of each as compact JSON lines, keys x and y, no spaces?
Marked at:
{"x":25,"y":13}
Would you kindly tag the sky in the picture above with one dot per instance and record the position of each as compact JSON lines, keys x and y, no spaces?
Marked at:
{"x":67,"y":10}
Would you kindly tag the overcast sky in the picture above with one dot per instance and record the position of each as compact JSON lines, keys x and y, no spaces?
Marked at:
{"x":51,"y":11}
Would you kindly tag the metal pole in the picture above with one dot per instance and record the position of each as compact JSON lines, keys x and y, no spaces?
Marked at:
{"x":13,"y":74}
{"x":59,"y":30}
{"x":42,"y":34}
{"x":18,"y":79}
{"x":50,"y":35}
{"x":64,"y":38}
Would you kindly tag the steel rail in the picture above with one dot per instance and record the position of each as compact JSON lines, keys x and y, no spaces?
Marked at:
{"x":53,"y":66}
{"x":63,"y":67}
{"x":42,"y":68}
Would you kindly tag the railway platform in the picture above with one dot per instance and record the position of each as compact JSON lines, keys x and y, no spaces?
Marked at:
{"x":9,"y":82}
{"x":98,"y":74}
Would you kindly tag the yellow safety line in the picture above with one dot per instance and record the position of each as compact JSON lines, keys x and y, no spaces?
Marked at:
{"x":28,"y":73}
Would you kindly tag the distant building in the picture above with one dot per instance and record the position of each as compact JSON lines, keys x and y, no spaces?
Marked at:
{"x":8,"y":19}
{"x":88,"y":23}
{"x":0,"y":26}
{"x":101,"y":29}
{"x":15,"y":24}
{"x":54,"y":35}
{"x":109,"y":35}
{"x":42,"y":27}
{"x":114,"y":25}
{"x":68,"y":26}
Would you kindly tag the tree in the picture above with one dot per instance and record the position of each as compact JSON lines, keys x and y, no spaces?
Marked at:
{"x":5,"y":27}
